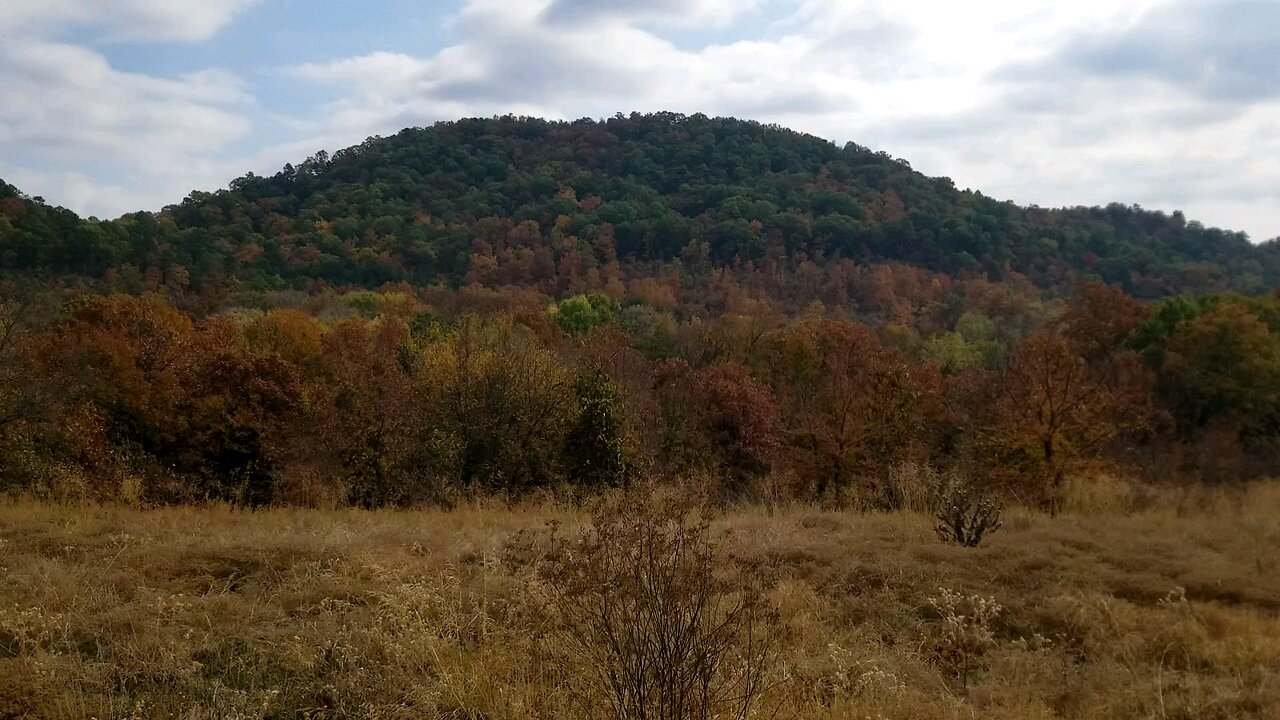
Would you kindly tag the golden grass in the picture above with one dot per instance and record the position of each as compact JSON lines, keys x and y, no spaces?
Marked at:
{"x":1120,"y":608}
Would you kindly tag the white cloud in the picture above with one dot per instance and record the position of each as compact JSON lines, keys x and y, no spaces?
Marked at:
{"x":74,"y":101}
{"x":77,"y":111}
{"x":512,"y":60}
{"x":139,"y":20}
{"x":102,"y":140}
{"x":831,"y":64}
{"x":670,"y":12}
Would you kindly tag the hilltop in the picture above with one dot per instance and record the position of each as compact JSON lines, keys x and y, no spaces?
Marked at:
{"x":527,"y":202}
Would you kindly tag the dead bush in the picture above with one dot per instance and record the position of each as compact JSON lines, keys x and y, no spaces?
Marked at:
{"x":965,"y":516}
{"x":963,"y":637}
{"x":663,"y":626}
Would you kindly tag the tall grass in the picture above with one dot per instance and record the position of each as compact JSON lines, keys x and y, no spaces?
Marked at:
{"x":1133,"y":604}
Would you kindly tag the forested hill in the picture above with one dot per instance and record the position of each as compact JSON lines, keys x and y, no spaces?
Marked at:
{"x":515,"y":201}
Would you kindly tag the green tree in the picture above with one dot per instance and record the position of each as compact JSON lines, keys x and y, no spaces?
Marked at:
{"x":580,"y":314}
{"x":1224,"y":365}
{"x":595,"y":452}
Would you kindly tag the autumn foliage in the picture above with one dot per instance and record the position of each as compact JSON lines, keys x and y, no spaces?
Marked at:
{"x":402,"y":397}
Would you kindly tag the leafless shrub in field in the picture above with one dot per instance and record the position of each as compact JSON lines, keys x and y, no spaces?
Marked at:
{"x":964,"y":517}
{"x":644,"y":600}
{"x":961,"y":640}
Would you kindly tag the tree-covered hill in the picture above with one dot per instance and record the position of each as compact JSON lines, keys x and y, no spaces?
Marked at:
{"x":517,"y":201}
{"x":511,"y":306}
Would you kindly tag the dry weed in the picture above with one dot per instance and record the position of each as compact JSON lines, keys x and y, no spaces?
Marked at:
{"x":1167,"y":609}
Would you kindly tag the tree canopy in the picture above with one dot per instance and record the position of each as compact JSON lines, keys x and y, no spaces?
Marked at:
{"x":523,"y":201}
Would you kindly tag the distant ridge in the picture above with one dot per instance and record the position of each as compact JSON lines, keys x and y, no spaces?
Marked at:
{"x":428,"y":205}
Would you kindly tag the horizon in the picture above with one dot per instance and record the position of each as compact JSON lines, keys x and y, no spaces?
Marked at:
{"x":1166,"y":104}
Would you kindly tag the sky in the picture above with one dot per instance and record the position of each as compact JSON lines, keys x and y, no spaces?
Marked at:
{"x":120,"y":105}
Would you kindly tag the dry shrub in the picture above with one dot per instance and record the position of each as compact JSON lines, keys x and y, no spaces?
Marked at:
{"x":966,"y":516}
{"x":850,"y":674}
{"x":913,"y":486}
{"x":1099,"y":493}
{"x":964,"y":636}
{"x":648,"y":605}
{"x":27,"y":630}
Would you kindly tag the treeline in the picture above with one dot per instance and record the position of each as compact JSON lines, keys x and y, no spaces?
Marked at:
{"x":563,"y":207}
{"x":424,"y":397}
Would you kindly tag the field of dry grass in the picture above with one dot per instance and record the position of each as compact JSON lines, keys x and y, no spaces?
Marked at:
{"x":1168,"y":608}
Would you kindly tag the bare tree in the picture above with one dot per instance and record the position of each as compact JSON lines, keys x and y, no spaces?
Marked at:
{"x":643,"y":599}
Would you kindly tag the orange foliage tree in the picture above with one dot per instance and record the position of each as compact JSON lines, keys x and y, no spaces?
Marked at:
{"x":850,"y":405}
{"x":1068,"y":391}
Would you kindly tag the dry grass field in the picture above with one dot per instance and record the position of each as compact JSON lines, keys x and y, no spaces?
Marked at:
{"x":1165,"y":608}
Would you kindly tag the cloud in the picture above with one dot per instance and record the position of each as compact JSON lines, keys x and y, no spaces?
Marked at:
{"x":828,"y":63}
{"x":676,"y":12}
{"x":1175,"y":107}
{"x":515,"y":57}
{"x":133,"y":20}
{"x":81,"y":131}
{"x":74,"y":102}
{"x":1223,"y":50}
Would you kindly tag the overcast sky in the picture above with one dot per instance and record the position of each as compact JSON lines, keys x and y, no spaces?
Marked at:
{"x":118,"y":105}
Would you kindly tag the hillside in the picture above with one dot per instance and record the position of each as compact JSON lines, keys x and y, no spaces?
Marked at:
{"x":513,"y":307}
{"x":515,"y":201}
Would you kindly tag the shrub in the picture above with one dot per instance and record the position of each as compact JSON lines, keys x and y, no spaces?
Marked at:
{"x":965,"y":517}
{"x":595,"y":452}
{"x":909,"y":485}
{"x":662,"y":633}
{"x":964,"y":635}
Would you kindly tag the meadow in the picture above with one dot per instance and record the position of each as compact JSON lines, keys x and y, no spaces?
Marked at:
{"x":1128,"y":604}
